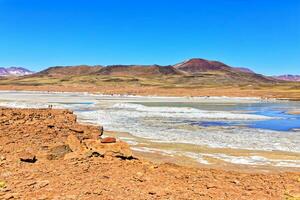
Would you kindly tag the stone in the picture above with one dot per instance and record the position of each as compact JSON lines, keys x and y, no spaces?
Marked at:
{"x":51,"y":126}
{"x":118,"y":149}
{"x":71,"y":156}
{"x":2,"y":158}
{"x":101,"y":130}
{"x":58,"y":152}
{"x":41,"y":184}
{"x":97,"y":133}
{"x":28,"y":157}
{"x":2,"y":184}
{"x":74,"y":143}
{"x":108,"y":140}
{"x":8,"y":196}
{"x":76,"y":129}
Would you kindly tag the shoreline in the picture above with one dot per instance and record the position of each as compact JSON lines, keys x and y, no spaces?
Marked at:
{"x":258,"y":98}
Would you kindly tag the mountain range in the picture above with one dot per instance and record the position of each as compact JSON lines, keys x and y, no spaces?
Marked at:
{"x":288,"y":77}
{"x":193,"y":67}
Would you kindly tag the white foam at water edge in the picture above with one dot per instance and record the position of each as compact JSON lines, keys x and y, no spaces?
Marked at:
{"x":183,"y":112}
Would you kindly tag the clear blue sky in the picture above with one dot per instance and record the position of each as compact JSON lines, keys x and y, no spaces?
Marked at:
{"x":261,"y":34}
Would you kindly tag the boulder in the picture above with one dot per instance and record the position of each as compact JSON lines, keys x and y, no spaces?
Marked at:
{"x":87,"y":131}
{"x":28,"y":157}
{"x":96,"y":133}
{"x":108,"y":140}
{"x":118,"y":149}
{"x":58,"y":152}
{"x":76,"y":129}
{"x":74,"y":143}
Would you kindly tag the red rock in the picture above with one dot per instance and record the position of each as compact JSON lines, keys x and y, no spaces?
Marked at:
{"x":108,"y":140}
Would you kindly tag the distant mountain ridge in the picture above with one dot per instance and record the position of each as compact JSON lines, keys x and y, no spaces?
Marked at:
{"x":195,"y":68}
{"x":190,"y":71}
{"x":70,"y":70}
{"x":14,"y":71}
{"x":288,"y":77}
{"x":192,"y":66}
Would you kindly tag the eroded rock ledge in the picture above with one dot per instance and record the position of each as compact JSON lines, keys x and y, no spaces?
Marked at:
{"x":78,"y":141}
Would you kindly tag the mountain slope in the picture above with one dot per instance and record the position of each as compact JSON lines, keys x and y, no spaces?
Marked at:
{"x":220,"y":71}
{"x":69,"y":70}
{"x":196,"y":65}
{"x":138,"y":70}
{"x":244,"y":69}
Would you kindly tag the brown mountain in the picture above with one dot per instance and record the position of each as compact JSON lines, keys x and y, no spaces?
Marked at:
{"x":189,"y":73}
{"x":196,"y":65}
{"x":69,"y":70}
{"x":220,"y":72}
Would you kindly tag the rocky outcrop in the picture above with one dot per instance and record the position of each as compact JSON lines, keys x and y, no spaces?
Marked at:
{"x":56,"y":126}
{"x":118,"y":149}
{"x":95,"y":147}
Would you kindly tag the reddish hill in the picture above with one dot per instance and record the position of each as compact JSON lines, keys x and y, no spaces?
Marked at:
{"x":196,"y":65}
{"x":200,"y":65}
